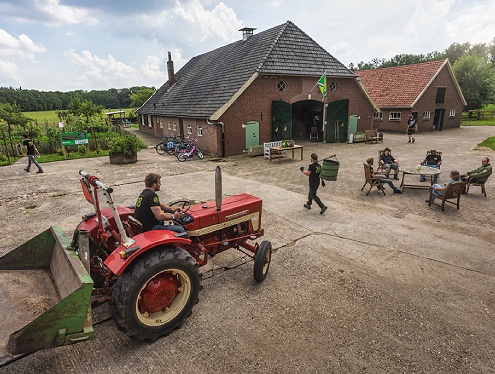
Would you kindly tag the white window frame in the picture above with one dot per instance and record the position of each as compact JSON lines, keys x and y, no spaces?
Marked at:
{"x":394,"y":116}
{"x":426,"y":115}
{"x":199,"y":131}
{"x":174,"y":126}
{"x":169,"y":126}
{"x":451,"y":113}
{"x":189,"y":129}
{"x":161,"y":124}
{"x":378,"y":116}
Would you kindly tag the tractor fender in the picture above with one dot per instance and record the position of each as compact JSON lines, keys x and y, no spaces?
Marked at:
{"x":143,"y":242}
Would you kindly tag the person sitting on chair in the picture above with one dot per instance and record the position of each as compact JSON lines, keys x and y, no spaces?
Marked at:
{"x":433,"y":160}
{"x":150,"y":212}
{"x":387,"y":162}
{"x":479,"y":174}
{"x":454,"y":177}
{"x":381,"y":176}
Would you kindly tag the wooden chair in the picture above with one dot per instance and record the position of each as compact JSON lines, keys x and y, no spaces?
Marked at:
{"x":373,"y":182}
{"x":452,"y":192}
{"x":438,"y":153}
{"x":380,"y":153}
{"x":480,"y":182}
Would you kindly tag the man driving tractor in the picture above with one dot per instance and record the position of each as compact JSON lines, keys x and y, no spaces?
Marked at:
{"x":150,"y":212}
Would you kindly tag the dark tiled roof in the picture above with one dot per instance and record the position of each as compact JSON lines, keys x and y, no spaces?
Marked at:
{"x":210,"y":80}
{"x":400,"y":86}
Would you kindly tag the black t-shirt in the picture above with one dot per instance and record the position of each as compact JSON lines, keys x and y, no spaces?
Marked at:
{"x":433,"y":159}
{"x":314,"y":177}
{"x":143,"y":212}
{"x":30,"y":146}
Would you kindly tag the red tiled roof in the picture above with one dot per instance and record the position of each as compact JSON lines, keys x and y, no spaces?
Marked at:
{"x":400,"y":86}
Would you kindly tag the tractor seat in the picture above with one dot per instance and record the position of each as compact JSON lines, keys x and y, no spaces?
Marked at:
{"x":136,"y":225}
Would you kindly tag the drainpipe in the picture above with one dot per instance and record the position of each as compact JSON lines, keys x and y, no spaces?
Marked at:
{"x":223,"y":135}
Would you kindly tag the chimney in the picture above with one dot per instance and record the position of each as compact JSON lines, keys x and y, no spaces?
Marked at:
{"x":170,"y":70}
{"x":247,"y":32}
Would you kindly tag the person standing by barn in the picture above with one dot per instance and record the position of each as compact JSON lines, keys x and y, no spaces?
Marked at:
{"x":411,"y":128}
{"x":313,"y":172}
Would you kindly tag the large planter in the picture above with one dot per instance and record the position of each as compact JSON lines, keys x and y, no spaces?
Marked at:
{"x":255,"y":151}
{"x":358,"y":138}
{"x":122,"y":158}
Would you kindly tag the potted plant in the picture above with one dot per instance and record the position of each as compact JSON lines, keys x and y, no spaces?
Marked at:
{"x":123,"y":149}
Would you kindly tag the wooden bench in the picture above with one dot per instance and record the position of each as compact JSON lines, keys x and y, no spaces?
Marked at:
{"x":275,"y":144}
{"x":373,"y":136}
{"x":268,"y":145}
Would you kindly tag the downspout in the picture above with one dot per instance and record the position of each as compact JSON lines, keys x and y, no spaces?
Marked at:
{"x":223,"y":135}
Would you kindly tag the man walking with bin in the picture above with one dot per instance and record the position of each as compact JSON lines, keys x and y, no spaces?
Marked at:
{"x":313,"y":172}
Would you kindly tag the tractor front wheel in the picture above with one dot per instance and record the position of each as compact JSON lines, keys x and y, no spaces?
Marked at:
{"x":262,"y":260}
{"x":156,"y":293}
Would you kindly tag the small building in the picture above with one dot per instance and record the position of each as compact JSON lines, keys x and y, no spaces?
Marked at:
{"x":429,"y":91}
{"x":260,"y":88}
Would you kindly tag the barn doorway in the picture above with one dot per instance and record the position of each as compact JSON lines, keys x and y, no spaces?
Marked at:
{"x":307,"y":114}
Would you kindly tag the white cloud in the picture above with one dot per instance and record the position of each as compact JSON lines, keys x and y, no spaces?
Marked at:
{"x":151,"y":68}
{"x":21,"y":47}
{"x":97,"y":70}
{"x":9,"y":72}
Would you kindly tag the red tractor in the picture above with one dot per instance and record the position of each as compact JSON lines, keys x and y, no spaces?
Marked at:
{"x":151,"y":278}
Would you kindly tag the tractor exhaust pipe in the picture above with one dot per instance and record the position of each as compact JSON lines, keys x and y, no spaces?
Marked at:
{"x":218,"y":188}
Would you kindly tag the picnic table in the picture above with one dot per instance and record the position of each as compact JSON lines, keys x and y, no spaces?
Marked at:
{"x":417,"y":171}
{"x":277,"y":151}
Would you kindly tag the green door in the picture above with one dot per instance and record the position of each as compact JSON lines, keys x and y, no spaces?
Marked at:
{"x":337,"y":121}
{"x":281,"y":120}
{"x":252,"y":134}
{"x":181,"y":126}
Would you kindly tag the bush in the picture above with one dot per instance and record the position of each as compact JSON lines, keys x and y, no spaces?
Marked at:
{"x":82,"y":149}
{"x":126,"y":144}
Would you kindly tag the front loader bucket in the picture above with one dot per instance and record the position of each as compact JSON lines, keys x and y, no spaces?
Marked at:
{"x":45,"y":295}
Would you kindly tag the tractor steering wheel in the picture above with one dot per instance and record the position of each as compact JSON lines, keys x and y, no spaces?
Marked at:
{"x":184,"y":206}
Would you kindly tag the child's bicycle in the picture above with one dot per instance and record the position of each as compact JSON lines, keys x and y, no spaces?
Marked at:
{"x":189,"y":151}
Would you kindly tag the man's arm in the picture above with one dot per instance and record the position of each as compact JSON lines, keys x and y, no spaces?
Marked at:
{"x":164,"y":216}
{"x":481,"y":172}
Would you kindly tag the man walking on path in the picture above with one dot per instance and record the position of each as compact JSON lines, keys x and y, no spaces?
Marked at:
{"x":31,"y":151}
{"x":313,"y":172}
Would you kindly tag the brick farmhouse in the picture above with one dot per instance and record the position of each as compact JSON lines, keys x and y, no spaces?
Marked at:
{"x":262,"y":88}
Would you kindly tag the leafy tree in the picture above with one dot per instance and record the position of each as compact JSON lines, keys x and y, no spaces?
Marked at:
{"x":87,"y":110}
{"x":12,"y":116}
{"x":476,"y":78}
{"x":140,"y":96}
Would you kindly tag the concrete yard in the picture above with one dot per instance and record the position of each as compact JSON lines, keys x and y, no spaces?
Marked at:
{"x":378,"y":284}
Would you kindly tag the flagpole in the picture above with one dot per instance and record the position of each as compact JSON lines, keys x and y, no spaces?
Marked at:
{"x":324,"y":120}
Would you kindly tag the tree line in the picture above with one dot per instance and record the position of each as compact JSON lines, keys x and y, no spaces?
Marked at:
{"x":33,"y":100}
{"x":473,"y":66}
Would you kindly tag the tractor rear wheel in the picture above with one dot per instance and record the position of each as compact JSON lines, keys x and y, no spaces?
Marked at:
{"x":156,"y":293}
{"x":262,"y":260}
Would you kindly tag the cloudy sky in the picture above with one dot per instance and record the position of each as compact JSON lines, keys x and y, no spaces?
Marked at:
{"x":67,"y":45}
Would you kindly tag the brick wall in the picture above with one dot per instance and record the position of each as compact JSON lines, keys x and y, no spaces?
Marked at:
{"x":255,"y":104}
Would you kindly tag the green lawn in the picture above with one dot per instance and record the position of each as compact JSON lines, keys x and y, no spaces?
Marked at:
{"x":51,"y":117}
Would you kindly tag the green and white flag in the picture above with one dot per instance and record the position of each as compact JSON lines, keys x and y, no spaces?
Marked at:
{"x":322,"y":84}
